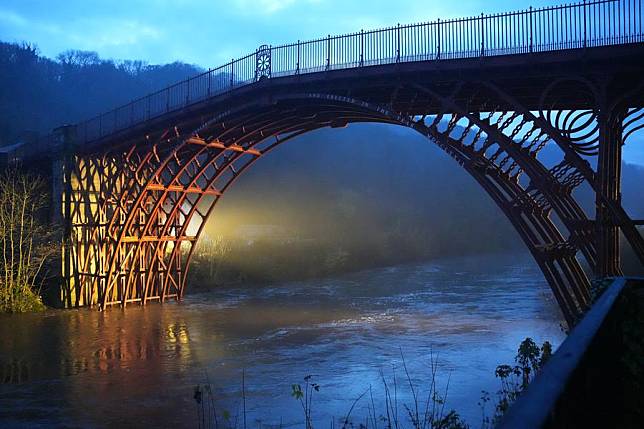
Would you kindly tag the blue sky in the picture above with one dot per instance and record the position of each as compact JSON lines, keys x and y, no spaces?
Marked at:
{"x":211,"y":32}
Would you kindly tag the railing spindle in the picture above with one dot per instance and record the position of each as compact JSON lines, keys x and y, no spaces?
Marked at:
{"x":586,"y":24}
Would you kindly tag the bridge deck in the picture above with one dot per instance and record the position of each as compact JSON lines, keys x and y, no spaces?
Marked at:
{"x":520,"y":51}
{"x":522,"y":75}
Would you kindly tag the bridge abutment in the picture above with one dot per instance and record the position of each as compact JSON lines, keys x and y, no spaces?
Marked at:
{"x":60,"y":210}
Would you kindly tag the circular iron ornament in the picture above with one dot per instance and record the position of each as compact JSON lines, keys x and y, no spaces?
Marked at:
{"x":263,"y":62}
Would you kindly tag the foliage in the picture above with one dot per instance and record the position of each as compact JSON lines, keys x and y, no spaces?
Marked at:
{"x":210,"y":255}
{"x":305,"y":396}
{"x":223,"y":261}
{"x":429,"y":413}
{"x":515,"y":378}
{"x":26,"y":241}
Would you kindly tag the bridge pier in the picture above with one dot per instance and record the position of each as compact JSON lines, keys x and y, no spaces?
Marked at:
{"x":119,"y":244}
{"x":60,"y":211}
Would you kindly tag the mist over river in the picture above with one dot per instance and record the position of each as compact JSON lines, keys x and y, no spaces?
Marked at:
{"x":138,"y":368}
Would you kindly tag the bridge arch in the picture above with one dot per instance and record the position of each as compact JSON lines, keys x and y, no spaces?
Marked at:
{"x":139,"y":181}
{"x":135,"y":239}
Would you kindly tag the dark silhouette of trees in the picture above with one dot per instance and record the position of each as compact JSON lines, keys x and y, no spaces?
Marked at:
{"x":38,"y":93}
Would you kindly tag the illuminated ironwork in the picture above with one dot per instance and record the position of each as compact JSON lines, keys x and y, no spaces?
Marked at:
{"x":492,"y":91}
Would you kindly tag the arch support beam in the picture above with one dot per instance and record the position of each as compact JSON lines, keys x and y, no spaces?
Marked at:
{"x":609,"y":175}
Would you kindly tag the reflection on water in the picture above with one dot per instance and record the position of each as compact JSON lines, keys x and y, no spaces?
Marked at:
{"x":138,"y":367}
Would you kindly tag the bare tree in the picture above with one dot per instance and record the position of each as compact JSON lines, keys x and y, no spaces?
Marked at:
{"x":26,"y":242}
{"x":77,"y":58}
{"x":132,"y":68}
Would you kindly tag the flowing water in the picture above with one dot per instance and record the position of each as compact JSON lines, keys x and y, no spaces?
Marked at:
{"x":83,"y":368}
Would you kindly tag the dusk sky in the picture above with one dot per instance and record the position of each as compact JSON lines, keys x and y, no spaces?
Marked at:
{"x":211,"y":32}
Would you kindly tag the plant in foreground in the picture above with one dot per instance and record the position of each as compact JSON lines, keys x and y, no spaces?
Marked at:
{"x":426,"y":410}
{"x":530,"y":358}
{"x":305,"y":396}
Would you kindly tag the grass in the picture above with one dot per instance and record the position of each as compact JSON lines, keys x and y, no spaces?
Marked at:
{"x":426,"y":410}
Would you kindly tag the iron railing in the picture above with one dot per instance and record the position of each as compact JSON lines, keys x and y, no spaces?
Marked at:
{"x":570,"y":26}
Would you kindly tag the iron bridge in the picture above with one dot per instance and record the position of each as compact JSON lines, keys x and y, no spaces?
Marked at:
{"x":493,"y":91}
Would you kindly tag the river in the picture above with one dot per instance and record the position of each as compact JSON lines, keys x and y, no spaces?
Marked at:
{"x":138,"y":368}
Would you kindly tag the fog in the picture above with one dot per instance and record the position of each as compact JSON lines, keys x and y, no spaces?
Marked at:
{"x":368,"y":194}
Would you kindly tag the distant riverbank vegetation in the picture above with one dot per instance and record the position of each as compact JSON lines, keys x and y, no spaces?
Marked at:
{"x":228,"y":261}
{"x":222,"y":260}
{"x":26,"y":241}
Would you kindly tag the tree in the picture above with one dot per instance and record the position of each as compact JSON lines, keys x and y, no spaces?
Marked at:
{"x":516,"y":378}
{"x":26,"y":242}
{"x":132,"y":68}
{"x":76,"y":58}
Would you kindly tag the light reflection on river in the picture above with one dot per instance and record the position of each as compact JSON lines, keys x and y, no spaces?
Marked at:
{"x":139,"y":367}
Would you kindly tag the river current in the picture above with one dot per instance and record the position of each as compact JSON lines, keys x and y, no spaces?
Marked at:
{"x":139,"y":367}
